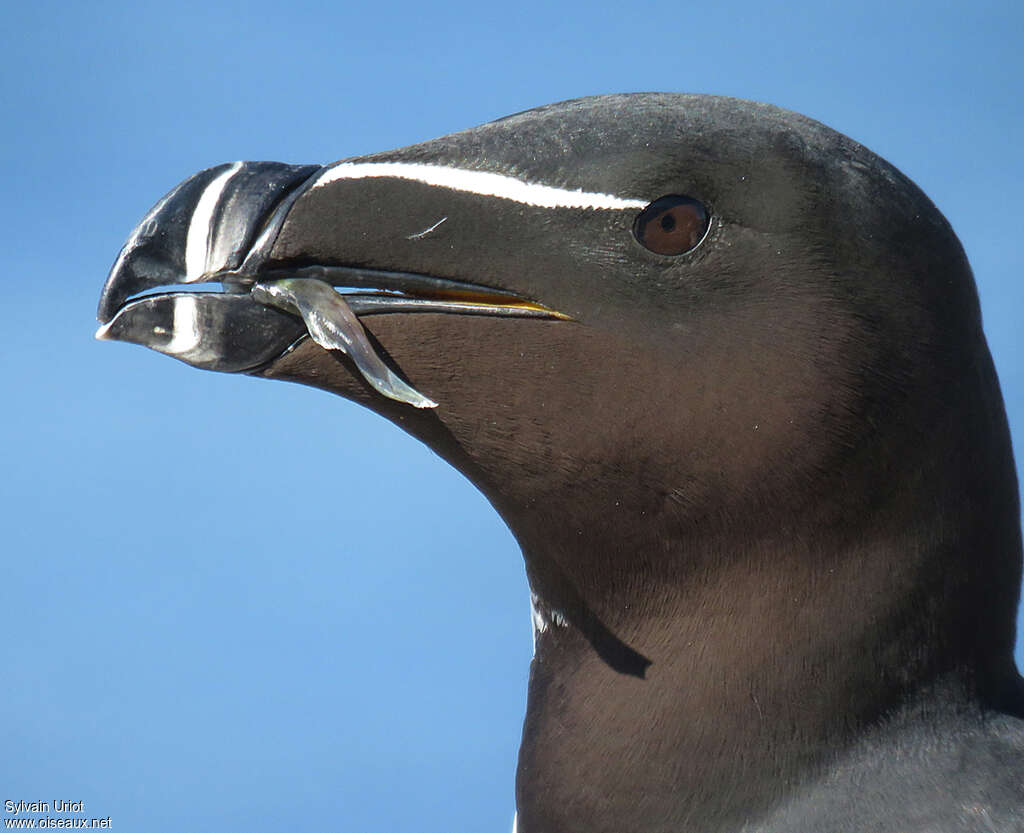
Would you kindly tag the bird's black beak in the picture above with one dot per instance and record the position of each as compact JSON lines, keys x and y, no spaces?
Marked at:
{"x":183,"y":282}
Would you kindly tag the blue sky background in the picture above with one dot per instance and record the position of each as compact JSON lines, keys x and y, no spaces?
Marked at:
{"x":230,"y":604}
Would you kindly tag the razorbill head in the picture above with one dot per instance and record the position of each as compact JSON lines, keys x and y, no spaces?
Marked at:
{"x":721,"y":370}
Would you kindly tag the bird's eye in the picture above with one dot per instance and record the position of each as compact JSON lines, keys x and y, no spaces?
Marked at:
{"x":671,"y":225}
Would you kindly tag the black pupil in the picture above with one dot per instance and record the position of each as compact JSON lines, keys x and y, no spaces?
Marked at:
{"x":668,"y":222}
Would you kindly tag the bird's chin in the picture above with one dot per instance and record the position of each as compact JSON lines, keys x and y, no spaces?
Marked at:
{"x":307,"y":363}
{"x":421,"y":345}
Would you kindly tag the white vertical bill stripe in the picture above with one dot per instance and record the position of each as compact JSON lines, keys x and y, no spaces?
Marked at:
{"x":478,"y":182}
{"x":185,"y":336}
{"x":197,"y":243}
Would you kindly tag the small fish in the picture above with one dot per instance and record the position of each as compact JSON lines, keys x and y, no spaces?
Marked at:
{"x":332,"y":324}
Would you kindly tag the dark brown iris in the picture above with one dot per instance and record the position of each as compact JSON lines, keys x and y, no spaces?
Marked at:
{"x":671,"y":225}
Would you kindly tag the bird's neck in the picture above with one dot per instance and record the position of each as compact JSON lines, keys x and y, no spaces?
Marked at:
{"x":736,"y":669}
